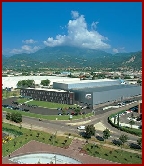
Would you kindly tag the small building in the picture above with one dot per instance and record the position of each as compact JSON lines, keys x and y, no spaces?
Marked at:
{"x":50,"y":95}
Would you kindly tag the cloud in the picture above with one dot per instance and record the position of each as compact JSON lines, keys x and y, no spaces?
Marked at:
{"x":16,"y":51}
{"x":74,"y":14}
{"x":79,"y":35}
{"x":94,"y":25}
{"x":122,"y":49}
{"x":115,"y":50}
{"x":118,"y":50}
{"x":30,"y":41}
{"x":26,"y":49}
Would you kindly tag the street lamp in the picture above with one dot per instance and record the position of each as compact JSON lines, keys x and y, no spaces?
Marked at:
{"x":55,"y":158}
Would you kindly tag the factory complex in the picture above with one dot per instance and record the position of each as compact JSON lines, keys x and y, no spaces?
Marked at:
{"x":89,"y":92}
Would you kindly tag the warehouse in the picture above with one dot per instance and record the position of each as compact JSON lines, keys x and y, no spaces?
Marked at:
{"x":85,"y":84}
{"x":96,"y":92}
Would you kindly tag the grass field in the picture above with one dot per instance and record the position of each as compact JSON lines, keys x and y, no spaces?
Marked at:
{"x":49,"y":104}
{"x":29,"y":135}
{"x":48,"y":117}
{"x":22,"y":100}
{"x":114,"y":155}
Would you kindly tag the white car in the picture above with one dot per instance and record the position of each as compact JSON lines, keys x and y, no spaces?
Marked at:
{"x":81,"y":127}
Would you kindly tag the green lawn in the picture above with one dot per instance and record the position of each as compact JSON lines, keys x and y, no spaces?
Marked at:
{"x":22,"y":100}
{"x":48,"y":104}
{"x":48,"y":117}
{"x":114,"y":155}
{"x":29,"y":135}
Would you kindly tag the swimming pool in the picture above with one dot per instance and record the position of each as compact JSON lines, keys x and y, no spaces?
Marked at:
{"x":44,"y":158}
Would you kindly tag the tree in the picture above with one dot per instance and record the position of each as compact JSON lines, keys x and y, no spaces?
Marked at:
{"x":45,"y":82}
{"x":139,"y":142}
{"x":139,"y":81}
{"x":100,"y":76}
{"x":123,"y":138}
{"x":90,"y":130}
{"x":26,"y":83}
{"x":127,"y":77}
{"x":94,"y":77}
{"x":106,"y":134}
{"x":8,"y":116}
{"x":132,"y":115}
{"x":114,"y":119}
{"x":77,"y":110}
{"x":118,"y":120}
{"x":116,"y":77}
{"x":131,"y":122}
{"x":16,"y":117}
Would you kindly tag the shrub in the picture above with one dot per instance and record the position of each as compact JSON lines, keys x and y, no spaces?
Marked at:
{"x":12,"y":131}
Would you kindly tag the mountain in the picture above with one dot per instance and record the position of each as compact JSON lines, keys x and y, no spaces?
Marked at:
{"x":65,"y":56}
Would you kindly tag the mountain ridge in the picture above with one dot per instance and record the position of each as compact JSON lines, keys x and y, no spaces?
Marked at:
{"x":65,"y":56}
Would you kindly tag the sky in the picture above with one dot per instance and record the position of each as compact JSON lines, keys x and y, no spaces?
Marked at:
{"x":110,"y":26}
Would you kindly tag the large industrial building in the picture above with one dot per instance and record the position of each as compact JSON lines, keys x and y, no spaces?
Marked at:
{"x":88,"y":92}
{"x":94,"y":92}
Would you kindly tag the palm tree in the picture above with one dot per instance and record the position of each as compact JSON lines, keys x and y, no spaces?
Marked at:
{"x":131,"y":122}
{"x":118,"y":120}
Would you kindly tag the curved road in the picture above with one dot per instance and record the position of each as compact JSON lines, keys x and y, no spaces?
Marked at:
{"x":64,"y":127}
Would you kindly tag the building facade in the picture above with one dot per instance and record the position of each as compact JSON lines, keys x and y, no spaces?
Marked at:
{"x":101,"y":95}
{"x":100,"y":91}
{"x":90,"y":93}
{"x":50,"y":95}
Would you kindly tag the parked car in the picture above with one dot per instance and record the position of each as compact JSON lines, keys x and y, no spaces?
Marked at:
{"x":60,"y":113}
{"x":26,"y":110}
{"x":9,"y":107}
{"x":15,"y":108}
{"x":15,"y":102}
{"x":81,"y":127}
{"x":59,"y":109}
{"x":5,"y":106}
{"x":140,"y":127}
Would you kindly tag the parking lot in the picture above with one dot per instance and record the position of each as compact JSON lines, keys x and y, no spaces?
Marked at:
{"x":130,"y":114}
{"x":37,"y":109}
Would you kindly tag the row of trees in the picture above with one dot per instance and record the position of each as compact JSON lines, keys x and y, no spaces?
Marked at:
{"x":26,"y":83}
{"x":131,"y":122}
{"x":31,"y":83}
{"x":90,"y":131}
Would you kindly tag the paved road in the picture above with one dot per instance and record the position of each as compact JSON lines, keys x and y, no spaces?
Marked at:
{"x":62,"y":126}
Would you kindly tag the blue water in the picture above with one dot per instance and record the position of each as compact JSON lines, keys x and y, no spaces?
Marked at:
{"x":44,"y":158}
